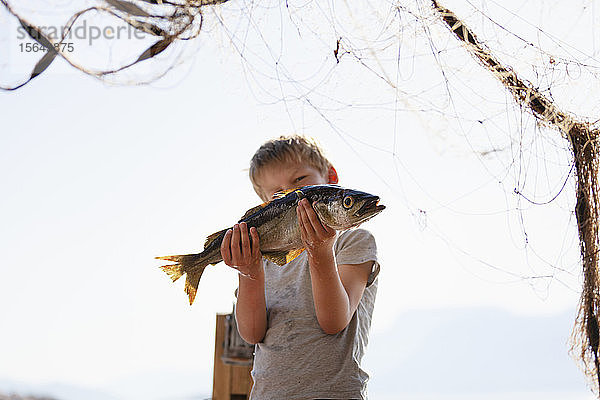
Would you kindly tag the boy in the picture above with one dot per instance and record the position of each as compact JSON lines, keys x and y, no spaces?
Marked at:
{"x":310,"y":318}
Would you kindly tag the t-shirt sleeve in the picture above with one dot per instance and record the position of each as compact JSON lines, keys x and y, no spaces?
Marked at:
{"x":357,"y":246}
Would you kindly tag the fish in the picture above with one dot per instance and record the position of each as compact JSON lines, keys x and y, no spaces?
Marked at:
{"x":278,"y":229}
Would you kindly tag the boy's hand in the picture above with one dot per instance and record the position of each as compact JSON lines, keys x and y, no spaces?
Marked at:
{"x":239,"y":253}
{"x":315,"y":236}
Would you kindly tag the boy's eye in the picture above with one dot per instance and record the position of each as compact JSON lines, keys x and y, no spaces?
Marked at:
{"x":298,"y":179}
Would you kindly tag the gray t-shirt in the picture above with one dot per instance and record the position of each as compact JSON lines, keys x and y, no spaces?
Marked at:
{"x":298,"y":361}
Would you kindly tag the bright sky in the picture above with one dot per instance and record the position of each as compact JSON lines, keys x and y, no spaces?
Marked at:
{"x":100,"y":179}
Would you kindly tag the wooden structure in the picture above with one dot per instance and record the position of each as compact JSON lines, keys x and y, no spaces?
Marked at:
{"x":231,"y":376}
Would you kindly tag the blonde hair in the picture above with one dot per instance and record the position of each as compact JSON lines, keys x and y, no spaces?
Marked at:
{"x":293,"y":148}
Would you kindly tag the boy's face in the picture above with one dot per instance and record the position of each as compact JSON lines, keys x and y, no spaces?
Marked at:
{"x":287,"y":175}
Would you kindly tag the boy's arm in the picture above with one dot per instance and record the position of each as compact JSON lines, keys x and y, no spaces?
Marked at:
{"x":239,"y":253}
{"x":337,"y":290}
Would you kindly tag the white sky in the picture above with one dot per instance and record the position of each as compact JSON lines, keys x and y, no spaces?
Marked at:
{"x":98,"y":180}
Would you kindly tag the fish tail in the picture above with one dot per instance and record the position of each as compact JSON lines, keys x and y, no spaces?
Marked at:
{"x":191,"y":283}
{"x":173,"y":270}
{"x":192,"y":265}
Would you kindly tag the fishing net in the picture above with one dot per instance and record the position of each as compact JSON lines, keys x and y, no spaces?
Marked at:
{"x":166,"y":22}
{"x":583,"y":138}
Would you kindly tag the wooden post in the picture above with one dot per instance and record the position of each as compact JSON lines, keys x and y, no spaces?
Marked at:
{"x":230,"y":382}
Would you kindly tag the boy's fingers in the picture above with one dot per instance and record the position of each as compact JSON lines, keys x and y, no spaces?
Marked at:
{"x":255,"y":242}
{"x":225,"y":244}
{"x":300,"y":224}
{"x":236,"y":253}
{"x":314,"y":219}
{"x":306,"y":228}
{"x":309,"y":223}
{"x":246,"y":252}
{"x":300,"y":215}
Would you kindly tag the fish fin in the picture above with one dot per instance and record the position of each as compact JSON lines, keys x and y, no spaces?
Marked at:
{"x":278,"y":257}
{"x":252,"y":211}
{"x":191,"y":283}
{"x":213,"y":237}
{"x":168,"y":258}
{"x":282,"y":193}
{"x":173,"y":270}
{"x":191,"y":264}
{"x":293,"y":254}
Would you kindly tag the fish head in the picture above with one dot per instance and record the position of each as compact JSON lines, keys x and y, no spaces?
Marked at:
{"x":342,"y":209}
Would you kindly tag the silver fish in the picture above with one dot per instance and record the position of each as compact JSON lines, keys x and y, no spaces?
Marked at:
{"x":278,"y":229}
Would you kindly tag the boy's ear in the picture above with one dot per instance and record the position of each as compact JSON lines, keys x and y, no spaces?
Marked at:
{"x":333,"y":176}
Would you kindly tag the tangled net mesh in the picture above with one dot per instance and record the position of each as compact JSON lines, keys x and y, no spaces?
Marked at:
{"x":168,"y":21}
{"x":583,"y":138}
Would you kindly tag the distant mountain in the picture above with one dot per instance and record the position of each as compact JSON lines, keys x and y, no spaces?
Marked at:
{"x":143,"y":386}
{"x":14,"y":396}
{"x":474,"y":351}
{"x":50,"y":391}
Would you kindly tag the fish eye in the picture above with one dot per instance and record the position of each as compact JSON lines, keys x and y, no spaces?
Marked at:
{"x":348,"y":201}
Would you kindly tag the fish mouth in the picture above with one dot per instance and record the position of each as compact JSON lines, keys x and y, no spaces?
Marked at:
{"x":371,"y":206}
